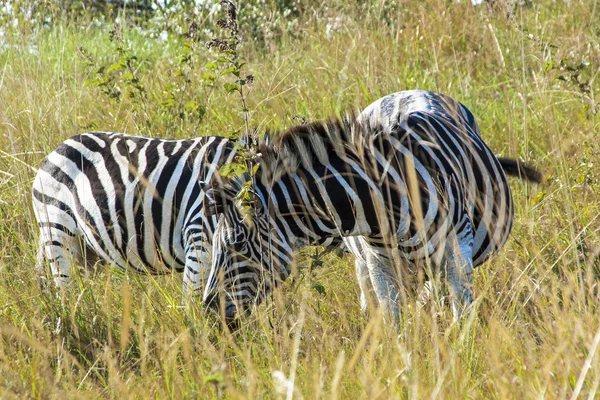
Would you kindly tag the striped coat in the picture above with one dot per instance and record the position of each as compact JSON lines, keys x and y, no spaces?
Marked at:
{"x":134,"y":202}
{"x":409,"y":185}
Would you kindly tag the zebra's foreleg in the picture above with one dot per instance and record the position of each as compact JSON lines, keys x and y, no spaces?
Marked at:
{"x":197,"y":260}
{"x":385,"y":283}
{"x":364,"y":282}
{"x":459,"y":270}
{"x":356,"y":246}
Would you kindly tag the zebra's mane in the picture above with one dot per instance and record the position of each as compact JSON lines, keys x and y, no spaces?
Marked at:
{"x":302,"y":145}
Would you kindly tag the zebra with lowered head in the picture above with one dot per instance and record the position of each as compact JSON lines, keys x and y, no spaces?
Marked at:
{"x":409,"y":185}
{"x":131,"y":201}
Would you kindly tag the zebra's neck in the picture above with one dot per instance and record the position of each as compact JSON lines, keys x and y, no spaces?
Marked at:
{"x":313,"y":206}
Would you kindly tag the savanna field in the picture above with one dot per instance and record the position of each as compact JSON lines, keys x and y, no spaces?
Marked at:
{"x":528,"y":72}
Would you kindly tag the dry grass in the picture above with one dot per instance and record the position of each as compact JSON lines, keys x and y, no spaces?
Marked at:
{"x":535,"y":330}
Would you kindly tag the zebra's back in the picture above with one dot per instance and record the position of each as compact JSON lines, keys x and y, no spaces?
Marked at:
{"x":449,"y":131}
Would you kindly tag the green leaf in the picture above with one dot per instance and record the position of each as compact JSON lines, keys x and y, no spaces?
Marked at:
{"x":231,"y":70}
{"x":185,"y":58}
{"x":199,"y":112}
{"x":169,"y":87}
{"x":233,"y":169}
{"x":208,"y":76}
{"x":539,"y":197}
{"x":549,"y":65}
{"x":215,"y":378}
{"x":231,"y":87}
{"x":167,"y":103}
{"x":211,"y":65}
{"x":92,"y":81}
{"x":191,"y":106}
{"x":116,"y":66}
{"x":319,"y":288}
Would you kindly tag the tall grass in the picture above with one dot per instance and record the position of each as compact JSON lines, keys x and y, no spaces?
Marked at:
{"x":528,"y":73}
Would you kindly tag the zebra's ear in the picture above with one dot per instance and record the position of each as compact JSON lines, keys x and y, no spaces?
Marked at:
{"x":267,"y":139}
{"x":214,"y":201}
{"x":256,"y":202}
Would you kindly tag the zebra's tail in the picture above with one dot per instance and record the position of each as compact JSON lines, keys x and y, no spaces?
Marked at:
{"x":520,"y":169}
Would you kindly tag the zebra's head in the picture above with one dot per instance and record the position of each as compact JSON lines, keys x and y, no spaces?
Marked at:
{"x":249,"y":256}
{"x":262,"y":219}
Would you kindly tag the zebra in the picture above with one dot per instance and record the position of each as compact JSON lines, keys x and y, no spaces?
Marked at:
{"x":409,"y":185}
{"x":130,"y":201}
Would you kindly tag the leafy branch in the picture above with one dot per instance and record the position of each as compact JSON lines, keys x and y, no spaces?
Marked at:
{"x":229,"y":59}
{"x":123,"y":74}
{"x":229,"y":62}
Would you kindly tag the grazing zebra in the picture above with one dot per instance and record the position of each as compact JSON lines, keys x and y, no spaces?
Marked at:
{"x":409,"y":185}
{"x":127,"y":200}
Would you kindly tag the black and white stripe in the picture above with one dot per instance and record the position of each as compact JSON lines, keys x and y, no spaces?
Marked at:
{"x":131,"y":201}
{"x":409,"y":184}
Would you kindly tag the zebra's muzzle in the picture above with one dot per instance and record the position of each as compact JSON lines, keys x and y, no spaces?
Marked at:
{"x":213,"y":302}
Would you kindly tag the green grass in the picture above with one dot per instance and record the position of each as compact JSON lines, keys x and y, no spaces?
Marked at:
{"x":535,"y":330}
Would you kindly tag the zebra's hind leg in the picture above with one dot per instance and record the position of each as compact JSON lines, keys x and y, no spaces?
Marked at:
{"x":459,"y":269}
{"x":384,"y":278}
